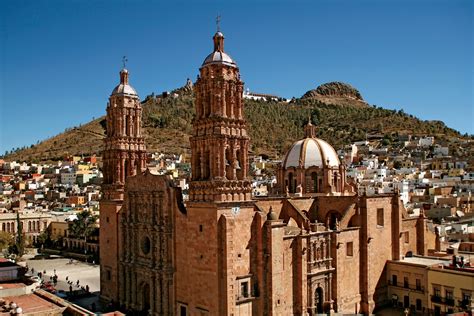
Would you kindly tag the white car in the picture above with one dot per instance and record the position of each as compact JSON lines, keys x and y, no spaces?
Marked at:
{"x":36,"y":279}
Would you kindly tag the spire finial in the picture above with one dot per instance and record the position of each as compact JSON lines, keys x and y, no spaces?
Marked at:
{"x":218,"y":22}
{"x":309,"y":129}
{"x":124,"y":61}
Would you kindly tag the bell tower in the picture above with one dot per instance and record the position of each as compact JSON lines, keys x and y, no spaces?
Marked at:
{"x":219,"y":145}
{"x":124,"y":155}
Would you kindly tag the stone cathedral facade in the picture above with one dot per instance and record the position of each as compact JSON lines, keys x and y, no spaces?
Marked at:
{"x":318,"y":247}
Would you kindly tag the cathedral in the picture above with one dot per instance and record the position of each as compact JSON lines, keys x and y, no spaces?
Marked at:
{"x":317,"y":247}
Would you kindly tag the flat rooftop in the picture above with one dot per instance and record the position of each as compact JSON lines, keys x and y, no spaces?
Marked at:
{"x":426,"y":261}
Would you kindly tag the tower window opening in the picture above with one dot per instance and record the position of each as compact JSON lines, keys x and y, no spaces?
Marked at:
{"x":291,"y":182}
{"x":349,"y":249}
{"x":244,"y":289}
{"x":380,"y":220}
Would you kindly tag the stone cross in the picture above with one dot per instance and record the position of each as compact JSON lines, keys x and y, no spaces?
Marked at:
{"x":218,"y":22}
{"x":124,"y":61}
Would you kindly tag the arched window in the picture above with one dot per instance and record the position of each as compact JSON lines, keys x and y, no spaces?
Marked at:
{"x":29,"y":226}
{"x":206,"y":170}
{"x":8,"y":227}
{"x":238,"y":165}
{"x":3,"y":226}
{"x":314,"y":182}
{"x":291,"y":188}
{"x":197,"y":167}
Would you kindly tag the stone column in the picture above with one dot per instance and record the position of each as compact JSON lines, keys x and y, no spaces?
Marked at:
{"x":202,"y":153}
{"x":222,"y":172}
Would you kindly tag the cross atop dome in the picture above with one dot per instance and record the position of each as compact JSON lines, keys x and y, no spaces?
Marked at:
{"x":218,"y":23}
{"x":124,"y":71}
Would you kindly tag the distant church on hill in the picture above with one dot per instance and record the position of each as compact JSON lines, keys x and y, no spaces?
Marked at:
{"x":318,"y":247}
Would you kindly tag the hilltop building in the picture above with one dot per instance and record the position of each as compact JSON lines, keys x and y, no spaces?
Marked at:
{"x":317,"y":247}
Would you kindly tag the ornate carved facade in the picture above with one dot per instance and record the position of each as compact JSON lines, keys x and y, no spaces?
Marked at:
{"x":147,"y":266}
{"x":124,"y":155}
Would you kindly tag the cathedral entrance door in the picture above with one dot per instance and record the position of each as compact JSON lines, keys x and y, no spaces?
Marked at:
{"x":319,"y":299}
{"x":146,"y":299}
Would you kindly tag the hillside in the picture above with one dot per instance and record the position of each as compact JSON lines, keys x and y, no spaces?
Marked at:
{"x":273,"y":126}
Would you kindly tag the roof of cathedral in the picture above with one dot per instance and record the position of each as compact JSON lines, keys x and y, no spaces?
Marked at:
{"x":309,"y":152}
{"x":124,"y":87}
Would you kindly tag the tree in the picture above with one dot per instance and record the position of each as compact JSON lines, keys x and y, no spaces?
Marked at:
{"x":18,"y":248}
{"x":84,"y":225}
{"x":43,"y":238}
{"x":6,"y":239}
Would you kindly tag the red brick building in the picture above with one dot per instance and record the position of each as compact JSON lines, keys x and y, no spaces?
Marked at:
{"x":318,"y":247}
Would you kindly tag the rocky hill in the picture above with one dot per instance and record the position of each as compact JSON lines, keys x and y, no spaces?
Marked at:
{"x":273,"y":126}
{"x":336,"y":93}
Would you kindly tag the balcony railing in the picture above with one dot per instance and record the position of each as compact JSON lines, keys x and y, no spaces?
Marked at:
{"x":420,"y":289}
{"x":436,"y":299}
{"x":464,"y":304}
{"x":443,"y":300}
{"x":449,"y":301}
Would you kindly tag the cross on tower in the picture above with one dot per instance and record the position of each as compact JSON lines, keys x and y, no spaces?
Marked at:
{"x":124,"y":61}
{"x":218,"y":21}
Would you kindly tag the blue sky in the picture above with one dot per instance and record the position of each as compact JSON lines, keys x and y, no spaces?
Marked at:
{"x":59,"y":60}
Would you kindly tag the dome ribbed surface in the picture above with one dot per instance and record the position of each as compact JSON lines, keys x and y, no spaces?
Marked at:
{"x":311,"y":152}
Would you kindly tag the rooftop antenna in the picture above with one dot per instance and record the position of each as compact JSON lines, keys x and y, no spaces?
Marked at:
{"x":124,"y":61}
{"x":218,"y":22}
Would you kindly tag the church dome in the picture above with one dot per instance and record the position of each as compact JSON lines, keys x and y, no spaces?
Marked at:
{"x":218,"y":56}
{"x":124,"y":87}
{"x":311,"y":152}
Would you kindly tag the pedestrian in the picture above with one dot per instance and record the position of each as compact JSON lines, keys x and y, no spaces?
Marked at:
{"x":32,"y":270}
{"x":67,"y":277}
{"x":77,"y":282}
{"x":87,"y":288}
{"x":54,"y":271}
{"x":70,"y":289}
{"x":44,"y":271}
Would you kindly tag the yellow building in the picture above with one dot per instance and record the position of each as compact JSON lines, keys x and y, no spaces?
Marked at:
{"x":407,"y":281}
{"x":450,"y":289}
{"x":455,"y":172}
{"x":82,"y":167}
{"x":430,"y":286}
{"x":58,"y":229}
